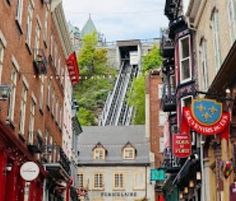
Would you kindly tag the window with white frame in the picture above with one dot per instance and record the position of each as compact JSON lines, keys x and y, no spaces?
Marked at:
{"x":172,"y":84}
{"x":41,"y":98}
{"x":118,"y":181}
{"x":216,"y":37}
{"x":185,"y":59}
{"x":23,"y":104}
{"x":1,"y":59}
{"x":19,"y":11}
{"x":37,"y":41}
{"x":12,"y":99}
{"x":98,"y":181}
{"x":57,"y":112}
{"x":62,"y":76}
{"x":99,"y":153}
{"x":62,"y":121}
{"x":49,"y":94}
{"x":29,"y":23}
{"x":232,"y":19}
{"x":51,"y":45}
{"x":129,"y":153}
{"x":80,"y":180}
{"x":186,"y":101}
{"x":55,"y":55}
{"x":46,"y":26}
{"x":31,"y":121}
{"x":50,"y":149}
{"x":203,"y":63}
{"x":46,"y":142}
{"x":58,"y":67}
{"x":53,"y":103}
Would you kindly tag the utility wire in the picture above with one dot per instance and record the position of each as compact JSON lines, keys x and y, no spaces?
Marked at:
{"x":114,"y":12}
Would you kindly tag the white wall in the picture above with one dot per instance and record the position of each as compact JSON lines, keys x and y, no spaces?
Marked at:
{"x":141,"y":187}
{"x":67,"y":116}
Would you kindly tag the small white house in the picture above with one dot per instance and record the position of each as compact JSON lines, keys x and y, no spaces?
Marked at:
{"x":114,"y":164}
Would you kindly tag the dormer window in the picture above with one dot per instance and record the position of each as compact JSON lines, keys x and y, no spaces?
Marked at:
{"x":99,"y":152}
{"x":129,"y":152}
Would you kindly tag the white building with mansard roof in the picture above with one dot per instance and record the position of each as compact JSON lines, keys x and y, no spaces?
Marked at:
{"x":114,"y":164}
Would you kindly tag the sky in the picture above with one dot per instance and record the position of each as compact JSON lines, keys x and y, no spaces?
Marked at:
{"x":119,"y":19}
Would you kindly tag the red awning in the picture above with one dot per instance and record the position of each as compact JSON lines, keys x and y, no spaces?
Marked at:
{"x":73,"y":68}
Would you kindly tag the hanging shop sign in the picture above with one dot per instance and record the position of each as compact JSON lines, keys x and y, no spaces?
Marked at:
{"x":73,"y":68}
{"x":157,"y":175}
{"x":206,"y":117}
{"x":29,"y":171}
{"x":181,"y":145}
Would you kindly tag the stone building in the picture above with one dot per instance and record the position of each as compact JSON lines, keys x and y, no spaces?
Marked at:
{"x":214,"y":26}
{"x":210,"y":59}
{"x":34,"y":48}
{"x":114,"y":164}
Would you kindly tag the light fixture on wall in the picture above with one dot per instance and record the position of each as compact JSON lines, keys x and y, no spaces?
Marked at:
{"x":9,"y":167}
{"x":181,"y":196}
{"x":198,"y":176}
{"x":185,"y":190}
{"x":191,"y":184}
{"x":227,"y":91}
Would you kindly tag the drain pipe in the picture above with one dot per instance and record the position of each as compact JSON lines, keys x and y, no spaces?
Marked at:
{"x":203,"y":186}
{"x":68,"y":186}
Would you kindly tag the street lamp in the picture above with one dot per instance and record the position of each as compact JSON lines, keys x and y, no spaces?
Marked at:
{"x":185,"y":190}
{"x":198,"y":176}
{"x":191,"y":184}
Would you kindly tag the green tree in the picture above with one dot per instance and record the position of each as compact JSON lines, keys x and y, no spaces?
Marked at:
{"x":136,"y":96}
{"x":92,"y":93}
{"x":152,"y":60}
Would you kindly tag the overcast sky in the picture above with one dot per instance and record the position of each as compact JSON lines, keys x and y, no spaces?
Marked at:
{"x":119,"y":19}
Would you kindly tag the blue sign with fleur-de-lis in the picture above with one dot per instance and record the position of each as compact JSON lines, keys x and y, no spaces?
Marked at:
{"x":206,"y":111}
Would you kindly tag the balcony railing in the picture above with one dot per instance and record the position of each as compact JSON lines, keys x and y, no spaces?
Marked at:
{"x":167,"y":45}
{"x":172,"y":9}
{"x":35,"y":144}
{"x":40,"y":61}
{"x":53,"y":155}
{"x":168,"y":66}
{"x":170,"y":163}
{"x":168,"y":103}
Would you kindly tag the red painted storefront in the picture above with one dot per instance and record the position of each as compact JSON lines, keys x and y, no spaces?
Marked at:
{"x":13,"y":154}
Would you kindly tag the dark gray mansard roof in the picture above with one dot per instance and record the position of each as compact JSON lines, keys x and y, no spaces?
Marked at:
{"x":113,"y":138}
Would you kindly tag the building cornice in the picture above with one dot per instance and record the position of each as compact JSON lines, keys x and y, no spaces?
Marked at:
{"x":226,"y":75}
{"x":61,"y":25}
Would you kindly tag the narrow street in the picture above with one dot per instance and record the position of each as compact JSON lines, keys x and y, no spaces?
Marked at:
{"x":128,"y":100}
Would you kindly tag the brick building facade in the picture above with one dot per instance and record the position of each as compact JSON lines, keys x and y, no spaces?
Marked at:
{"x":34,"y":46}
{"x":156,"y":116}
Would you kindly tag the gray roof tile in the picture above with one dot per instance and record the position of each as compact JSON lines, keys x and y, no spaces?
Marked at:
{"x":113,"y":138}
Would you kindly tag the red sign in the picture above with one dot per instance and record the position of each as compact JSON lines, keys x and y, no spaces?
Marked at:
{"x":73,"y":68}
{"x":181,"y":145}
{"x":218,"y":127}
